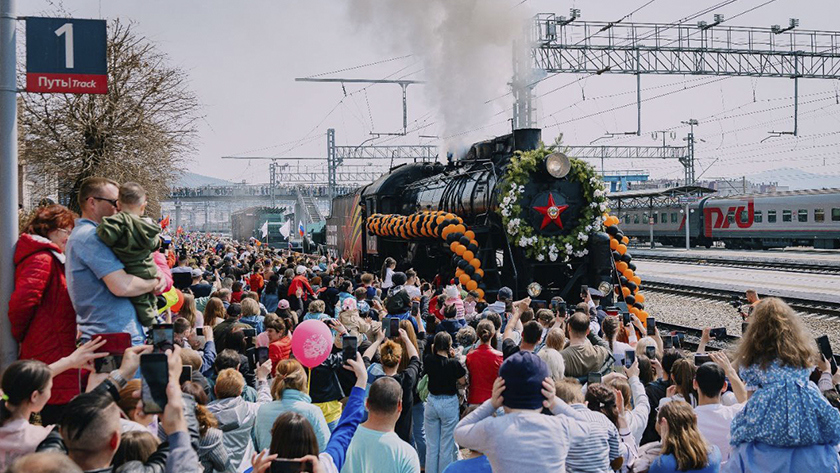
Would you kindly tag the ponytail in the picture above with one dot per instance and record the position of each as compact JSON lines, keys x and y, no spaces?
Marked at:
{"x":485,"y":331}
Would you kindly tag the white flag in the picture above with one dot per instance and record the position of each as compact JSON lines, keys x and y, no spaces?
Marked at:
{"x":264,"y":229}
{"x":286,"y":229}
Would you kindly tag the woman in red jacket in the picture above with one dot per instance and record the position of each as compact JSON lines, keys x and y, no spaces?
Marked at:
{"x":41,"y":314}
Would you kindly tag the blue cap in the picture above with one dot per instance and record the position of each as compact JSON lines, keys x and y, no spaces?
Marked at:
{"x":524,"y":373}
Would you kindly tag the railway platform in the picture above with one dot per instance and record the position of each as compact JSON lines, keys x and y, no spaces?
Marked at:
{"x":828,"y":258}
{"x":784,"y":284}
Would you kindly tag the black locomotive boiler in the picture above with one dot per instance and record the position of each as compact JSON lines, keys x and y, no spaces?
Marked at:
{"x":470,"y":188}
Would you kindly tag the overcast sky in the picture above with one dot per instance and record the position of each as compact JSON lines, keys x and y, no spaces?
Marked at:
{"x":242,"y":58}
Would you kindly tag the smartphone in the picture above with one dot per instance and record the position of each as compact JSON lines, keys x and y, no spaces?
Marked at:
{"x":386,"y":324}
{"x":249,"y":332}
{"x":289,"y":466}
{"x":186,"y":374}
{"x":651,"y":326}
{"x":629,"y":357}
{"x":162,"y":337}
{"x":667,"y":342}
{"x":395,"y":327}
{"x":199,"y":335}
{"x":626,"y":318}
{"x":538,"y":304}
{"x":349,"y":347}
{"x":584,"y":290}
{"x":650,"y":351}
{"x":700,"y":358}
{"x":561,"y":308}
{"x":154,"y":368}
{"x":593,"y":378}
{"x":415,"y":308}
{"x":718,"y":333}
{"x":262,"y":355}
{"x":825,"y":348}
{"x":115,"y":345}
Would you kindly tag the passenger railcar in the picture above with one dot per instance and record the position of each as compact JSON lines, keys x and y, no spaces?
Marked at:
{"x":749,"y":221}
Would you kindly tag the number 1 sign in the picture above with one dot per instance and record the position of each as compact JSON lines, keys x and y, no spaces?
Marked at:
{"x":66,"y":55}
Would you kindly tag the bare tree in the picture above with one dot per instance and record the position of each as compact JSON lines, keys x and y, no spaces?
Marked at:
{"x":142,"y":130}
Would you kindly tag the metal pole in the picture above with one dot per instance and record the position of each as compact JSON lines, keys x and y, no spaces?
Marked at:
{"x":405,"y":110}
{"x":650,"y":222}
{"x":8,"y":176}
{"x":687,"y":232}
{"x":638,"y":95}
{"x":796,"y":106}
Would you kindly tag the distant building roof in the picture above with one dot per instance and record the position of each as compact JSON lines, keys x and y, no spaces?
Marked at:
{"x":663,"y":192}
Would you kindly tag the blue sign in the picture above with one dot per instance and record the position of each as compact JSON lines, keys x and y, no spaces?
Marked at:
{"x":66,"y":55}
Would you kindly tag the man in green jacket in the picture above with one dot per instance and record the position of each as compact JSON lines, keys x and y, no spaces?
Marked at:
{"x":133,"y":238}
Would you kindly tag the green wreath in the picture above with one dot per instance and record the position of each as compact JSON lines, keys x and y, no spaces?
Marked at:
{"x":552,"y":248}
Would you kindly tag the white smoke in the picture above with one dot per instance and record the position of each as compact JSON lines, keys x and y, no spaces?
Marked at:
{"x":465,"y":47}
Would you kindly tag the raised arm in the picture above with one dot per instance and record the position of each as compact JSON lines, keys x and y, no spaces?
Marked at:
{"x":738,"y":387}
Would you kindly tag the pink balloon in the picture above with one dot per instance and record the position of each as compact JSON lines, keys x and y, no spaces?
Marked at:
{"x":312,"y":342}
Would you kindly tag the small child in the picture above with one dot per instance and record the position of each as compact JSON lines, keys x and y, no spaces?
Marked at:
{"x":453,"y":297}
{"x":133,"y":239}
{"x":469,"y":306}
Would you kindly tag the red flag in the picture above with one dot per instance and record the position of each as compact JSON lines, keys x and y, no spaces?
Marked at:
{"x":179,"y":231}
{"x":164,"y":222}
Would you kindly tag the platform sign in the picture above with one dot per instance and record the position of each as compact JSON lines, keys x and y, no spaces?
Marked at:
{"x":66,"y":55}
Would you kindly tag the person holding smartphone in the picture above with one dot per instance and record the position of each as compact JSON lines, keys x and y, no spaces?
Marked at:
{"x":290,"y":433}
{"x":390,"y":355}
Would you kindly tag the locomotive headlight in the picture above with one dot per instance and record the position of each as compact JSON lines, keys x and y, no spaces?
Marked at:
{"x":557,"y":165}
{"x":605,"y":288}
{"x":534,"y":289}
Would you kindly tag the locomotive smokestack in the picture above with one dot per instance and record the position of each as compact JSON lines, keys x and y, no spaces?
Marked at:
{"x":526,"y":139}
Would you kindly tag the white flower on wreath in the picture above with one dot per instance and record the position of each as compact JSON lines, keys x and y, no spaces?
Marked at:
{"x":540,"y":257}
{"x":603,"y":206}
{"x":598,"y":193}
{"x":569,"y":248}
{"x":583,"y":237}
{"x":552,"y":256}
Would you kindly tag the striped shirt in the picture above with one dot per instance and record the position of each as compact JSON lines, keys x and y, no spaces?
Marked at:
{"x":594,"y":452}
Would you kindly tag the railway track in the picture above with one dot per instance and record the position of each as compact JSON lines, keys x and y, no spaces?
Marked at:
{"x":790,"y":266}
{"x":804,"y":307}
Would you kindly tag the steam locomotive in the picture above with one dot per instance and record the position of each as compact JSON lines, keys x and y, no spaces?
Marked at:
{"x":470,"y":188}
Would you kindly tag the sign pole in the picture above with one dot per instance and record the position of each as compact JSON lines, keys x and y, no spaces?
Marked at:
{"x":687,"y":232}
{"x":8,"y":175}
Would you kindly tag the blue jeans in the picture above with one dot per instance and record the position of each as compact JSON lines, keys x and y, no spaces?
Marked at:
{"x":441,"y":417}
{"x":419,"y":437}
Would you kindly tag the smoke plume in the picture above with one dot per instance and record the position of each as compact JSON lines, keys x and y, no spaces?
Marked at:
{"x":465,"y":47}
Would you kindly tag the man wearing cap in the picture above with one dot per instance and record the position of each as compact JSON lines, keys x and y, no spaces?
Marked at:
{"x":300,"y":282}
{"x":504,"y":295}
{"x":522,"y":440}
{"x":200,"y":288}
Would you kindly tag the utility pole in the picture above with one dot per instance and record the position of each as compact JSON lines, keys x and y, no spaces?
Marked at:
{"x":8,"y":176}
{"x":401,"y":82}
{"x":688,"y":163}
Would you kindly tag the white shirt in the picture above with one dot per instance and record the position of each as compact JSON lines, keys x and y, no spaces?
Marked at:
{"x":713,"y":421}
{"x":386,"y":283}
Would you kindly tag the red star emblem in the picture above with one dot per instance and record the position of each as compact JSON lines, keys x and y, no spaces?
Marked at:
{"x":551,"y":212}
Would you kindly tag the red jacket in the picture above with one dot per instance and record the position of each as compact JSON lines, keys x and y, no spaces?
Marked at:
{"x":279,"y":350}
{"x":41,"y":314}
{"x":300,"y":281}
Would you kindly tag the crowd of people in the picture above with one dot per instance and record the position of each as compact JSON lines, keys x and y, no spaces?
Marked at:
{"x":419,"y":377}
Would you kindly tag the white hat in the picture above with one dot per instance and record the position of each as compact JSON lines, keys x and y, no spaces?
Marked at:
{"x":300,"y":269}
